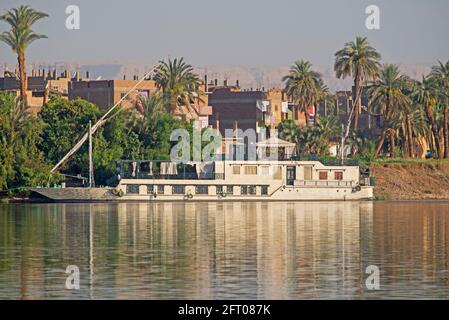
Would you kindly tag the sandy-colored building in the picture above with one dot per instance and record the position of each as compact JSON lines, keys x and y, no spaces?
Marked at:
{"x":39,"y":85}
{"x":259,"y":109}
{"x":106,"y":93}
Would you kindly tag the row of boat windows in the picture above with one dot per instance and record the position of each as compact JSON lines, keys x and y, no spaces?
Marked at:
{"x":201,"y":190}
{"x":277,"y":172}
{"x":254,"y":170}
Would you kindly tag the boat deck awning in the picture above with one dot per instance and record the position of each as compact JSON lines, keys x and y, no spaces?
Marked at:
{"x":275,"y":143}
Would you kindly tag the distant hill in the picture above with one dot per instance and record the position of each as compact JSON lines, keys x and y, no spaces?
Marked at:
{"x":269,"y":76}
{"x":249,"y":77}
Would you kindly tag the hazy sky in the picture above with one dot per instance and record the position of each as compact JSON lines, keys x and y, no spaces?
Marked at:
{"x":234,"y":32}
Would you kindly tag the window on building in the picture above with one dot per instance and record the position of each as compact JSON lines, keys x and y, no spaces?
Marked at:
{"x":236,"y":169}
{"x":252,"y":190}
{"x":251,"y":170}
{"x":244,"y":190}
{"x":338,"y":175}
{"x":264,"y":190}
{"x":132,"y":189}
{"x":219,"y":189}
{"x":323,"y":175}
{"x":150,"y":189}
{"x":230,"y":189}
{"x":160,"y":189}
{"x":202,"y":190}
{"x":178,"y":189}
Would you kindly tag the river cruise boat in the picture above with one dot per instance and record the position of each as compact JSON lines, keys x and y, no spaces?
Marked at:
{"x":283,"y":180}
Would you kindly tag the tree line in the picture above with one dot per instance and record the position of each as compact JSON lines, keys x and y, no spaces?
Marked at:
{"x":414,"y":112}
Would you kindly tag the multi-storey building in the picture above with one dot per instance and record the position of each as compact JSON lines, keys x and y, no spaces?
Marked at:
{"x":234,"y":108}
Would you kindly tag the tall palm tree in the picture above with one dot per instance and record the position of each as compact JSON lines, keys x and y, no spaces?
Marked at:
{"x":425,"y":93}
{"x":440,"y":73}
{"x":179,"y":84}
{"x":303,"y":85}
{"x":20,"y":36}
{"x":388,"y":97}
{"x":361,"y":62}
{"x":410,"y":123}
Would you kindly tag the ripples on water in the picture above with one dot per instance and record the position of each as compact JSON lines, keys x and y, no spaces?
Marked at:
{"x":225,"y":250}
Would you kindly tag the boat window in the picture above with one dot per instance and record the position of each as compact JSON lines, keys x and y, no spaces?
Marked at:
{"x":178,"y":189}
{"x":251,"y":170}
{"x":308,"y":173}
{"x":132,"y":188}
{"x":160,"y":189}
{"x":338,"y":175}
{"x":323,"y":175}
{"x":265,"y":170}
{"x":230,"y":189}
{"x":202,"y":190}
{"x":244,"y":190}
{"x":264,"y":190}
{"x":219,"y":189}
{"x":236,"y":169}
{"x":252,"y":190}
{"x":150,"y":189}
{"x":277,"y":173}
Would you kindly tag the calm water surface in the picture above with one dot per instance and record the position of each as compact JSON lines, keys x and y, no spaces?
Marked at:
{"x":225,"y":250}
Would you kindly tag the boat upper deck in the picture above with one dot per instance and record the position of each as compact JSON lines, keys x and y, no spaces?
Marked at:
{"x":226,"y":169}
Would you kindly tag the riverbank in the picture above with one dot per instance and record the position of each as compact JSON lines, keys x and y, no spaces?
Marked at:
{"x":395,"y":180}
{"x":411,"y":180}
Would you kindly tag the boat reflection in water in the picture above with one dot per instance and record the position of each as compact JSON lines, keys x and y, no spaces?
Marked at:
{"x":230,"y":250}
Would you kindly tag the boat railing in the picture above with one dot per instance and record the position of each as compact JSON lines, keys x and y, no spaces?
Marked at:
{"x":178,"y":176}
{"x":324,"y":183}
{"x":327,"y":161}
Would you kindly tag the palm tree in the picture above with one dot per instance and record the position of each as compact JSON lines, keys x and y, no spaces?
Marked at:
{"x":150,"y":108}
{"x":20,"y":36}
{"x":425,"y":93}
{"x":288,"y":130}
{"x":440,"y":73}
{"x":328,"y":127}
{"x":361,"y":62}
{"x":303,"y":85}
{"x":388,"y":97}
{"x":410,"y":123}
{"x":179,"y":84}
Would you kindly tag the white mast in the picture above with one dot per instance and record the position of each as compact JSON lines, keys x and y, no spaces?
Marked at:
{"x":91,"y":162}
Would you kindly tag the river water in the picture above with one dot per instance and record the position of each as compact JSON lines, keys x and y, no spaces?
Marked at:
{"x":241,"y":250}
